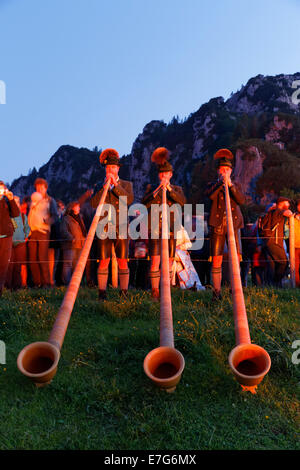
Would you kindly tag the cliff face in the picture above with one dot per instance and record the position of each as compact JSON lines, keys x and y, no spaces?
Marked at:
{"x":248,"y":170}
{"x":257,"y":123}
{"x":267,"y":94}
{"x":140,"y":160}
{"x":69,"y":173}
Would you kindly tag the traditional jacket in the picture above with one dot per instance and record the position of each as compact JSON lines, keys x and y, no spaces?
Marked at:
{"x":73,"y":232}
{"x":277,"y":228}
{"x":216,"y":194}
{"x":22,"y":229}
{"x":175,"y":196}
{"x":123,"y":188}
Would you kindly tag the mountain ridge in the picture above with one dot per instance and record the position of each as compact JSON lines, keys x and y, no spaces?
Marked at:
{"x":260,"y":123}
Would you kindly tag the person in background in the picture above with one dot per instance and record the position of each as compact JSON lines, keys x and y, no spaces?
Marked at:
{"x":25,"y":205}
{"x":15,"y":278}
{"x":88,"y":212}
{"x":139,"y":259}
{"x":8,"y":210}
{"x":54,"y":244}
{"x":200,"y":257}
{"x":248,"y":242}
{"x":42,"y":214}
{"x":24,"y":208}
{"x":297,"y":244}
{"x":257,"y":259}
{"x":73,"y":233}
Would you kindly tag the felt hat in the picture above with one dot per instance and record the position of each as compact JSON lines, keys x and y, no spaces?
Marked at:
{"x":160,"y":157}
{"x":224,"y":157}
{"x":110,"y":157}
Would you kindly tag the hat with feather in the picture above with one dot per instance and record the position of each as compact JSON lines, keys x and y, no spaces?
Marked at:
{"x":160,"y":157}
{"x":224,"y":157}
{"x":110,"y":157}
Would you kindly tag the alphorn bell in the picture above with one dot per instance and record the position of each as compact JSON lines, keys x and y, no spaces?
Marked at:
{"x":164,"y":365}
{"x":39,"y":360}
{"x":248,"y":362}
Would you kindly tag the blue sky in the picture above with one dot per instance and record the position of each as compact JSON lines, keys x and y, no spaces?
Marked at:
{"x":94,"y":72}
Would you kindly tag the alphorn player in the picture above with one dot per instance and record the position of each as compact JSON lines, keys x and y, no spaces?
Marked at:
{"x":271,"y":230}
{"x":217,"y":217}
{"x":153,"y":196}
{"x":118,"y":187}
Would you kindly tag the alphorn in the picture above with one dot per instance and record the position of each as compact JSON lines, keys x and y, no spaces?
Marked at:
{"x":164,"y":365}
{"x":248,"y":362}
{"x":114,"y":268}
{"x":39,"y":360}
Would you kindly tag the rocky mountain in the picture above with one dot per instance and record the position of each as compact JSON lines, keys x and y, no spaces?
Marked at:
{"x":260,"y":123}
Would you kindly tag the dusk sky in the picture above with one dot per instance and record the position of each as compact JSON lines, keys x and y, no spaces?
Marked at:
{"x":93,"y":73}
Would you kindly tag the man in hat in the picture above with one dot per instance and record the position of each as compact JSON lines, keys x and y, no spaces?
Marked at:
{"x":272,"y":233}
{"x":8,"y":210}
{"x":114,"y":228}
{"x":153,"y":197}
{"x":217,"y":218}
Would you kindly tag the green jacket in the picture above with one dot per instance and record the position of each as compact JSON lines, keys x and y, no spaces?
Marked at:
{"x":21,"y":229}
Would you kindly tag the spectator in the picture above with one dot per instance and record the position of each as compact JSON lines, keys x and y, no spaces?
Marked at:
{"x":139,"y":258}
{"x":88,"y":212}
{"x":42,"y":214}
{"x":25,"y":272}
{"x":200,"y":257}
{"x":73,"y":232}
{"x":8,"y":210}
{"x":257,"y":257}
{"x":183,"y":268}
{"x":15,"y":278}
{"x":54,"y":244}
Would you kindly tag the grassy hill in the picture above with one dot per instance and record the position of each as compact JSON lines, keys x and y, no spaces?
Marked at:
{"x":101,"y":398}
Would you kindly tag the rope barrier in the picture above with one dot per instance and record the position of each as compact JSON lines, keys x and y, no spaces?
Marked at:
{"x":141,"y":239}
{"x":139,"y":259}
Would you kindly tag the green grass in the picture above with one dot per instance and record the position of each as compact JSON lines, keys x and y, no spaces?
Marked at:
{"x":100,"y":397}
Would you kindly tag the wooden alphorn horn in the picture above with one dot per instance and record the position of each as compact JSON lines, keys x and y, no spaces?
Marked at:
{"x":248,"y":362}
{"x":39,"y":360}
{"x":114,"y":268}
{"x":292,"y":250}
{"x":164,"y":365}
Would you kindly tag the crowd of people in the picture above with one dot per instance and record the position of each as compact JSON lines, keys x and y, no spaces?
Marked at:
{"x":41,"y":238}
